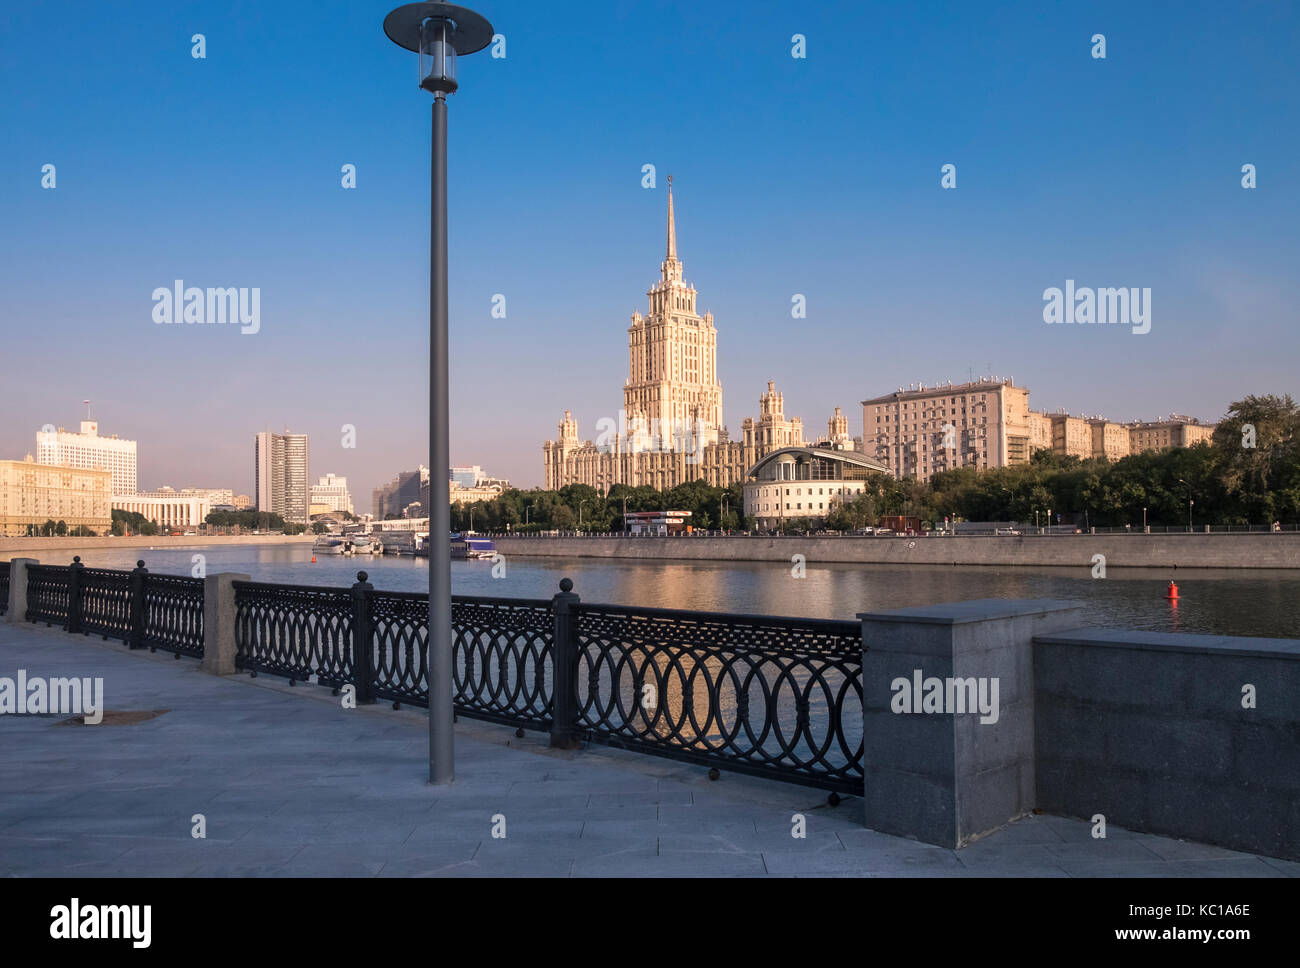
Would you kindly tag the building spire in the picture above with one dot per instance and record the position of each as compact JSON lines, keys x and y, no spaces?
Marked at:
{"x":672,"y":225}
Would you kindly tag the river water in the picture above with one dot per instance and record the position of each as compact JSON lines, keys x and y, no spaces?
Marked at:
{"x":1221,"y":602}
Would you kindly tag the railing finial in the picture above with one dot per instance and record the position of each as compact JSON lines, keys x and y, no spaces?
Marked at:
{"x":566,"y":585}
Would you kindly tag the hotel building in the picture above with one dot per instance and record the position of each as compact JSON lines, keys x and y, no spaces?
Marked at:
{"x":670,"y":429}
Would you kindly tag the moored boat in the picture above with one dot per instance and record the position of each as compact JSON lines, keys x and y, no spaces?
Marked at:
{"x":329,"y":544}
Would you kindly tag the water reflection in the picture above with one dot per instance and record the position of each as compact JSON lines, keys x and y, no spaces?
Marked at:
{"x":1220,"y":602}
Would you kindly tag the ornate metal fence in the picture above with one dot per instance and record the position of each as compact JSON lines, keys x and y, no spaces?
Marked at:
{"x":502,"y":647}
{"x":172,"y":614}
{"x":105,"y":598}
{"x":768,"y":696}
{"x":48,"y":594}
{"x":294,"y":631}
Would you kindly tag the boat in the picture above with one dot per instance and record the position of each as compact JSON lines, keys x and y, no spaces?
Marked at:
{"x":329,"y":544}
{"x":361,"y":544}
{"x":399,"y":542}
{"x":463,"y":546}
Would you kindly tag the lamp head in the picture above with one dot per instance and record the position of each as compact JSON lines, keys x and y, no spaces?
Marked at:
{"x":438,"y":32}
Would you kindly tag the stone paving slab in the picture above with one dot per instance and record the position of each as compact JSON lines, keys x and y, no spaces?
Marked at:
{"x":291,"y":784}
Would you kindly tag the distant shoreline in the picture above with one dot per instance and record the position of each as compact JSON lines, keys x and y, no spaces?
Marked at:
{"x":1242,"y":551}
{"x":18,"y":547}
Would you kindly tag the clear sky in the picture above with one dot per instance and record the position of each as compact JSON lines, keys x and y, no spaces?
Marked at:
{"x":818,"y":176}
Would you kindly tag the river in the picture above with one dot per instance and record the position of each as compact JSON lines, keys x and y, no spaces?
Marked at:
{"x":1218,"y":602}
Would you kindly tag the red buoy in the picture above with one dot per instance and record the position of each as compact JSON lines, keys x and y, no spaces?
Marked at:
{"x":1171,"y":592}
{"x":313,"y":559}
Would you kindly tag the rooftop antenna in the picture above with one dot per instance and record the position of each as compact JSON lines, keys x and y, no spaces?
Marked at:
{"x":87,"y":403}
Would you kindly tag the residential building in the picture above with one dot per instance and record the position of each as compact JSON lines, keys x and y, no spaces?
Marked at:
{"x":1175,"y":430}
{"x":32,"y":493}
{"x":919,"y":431}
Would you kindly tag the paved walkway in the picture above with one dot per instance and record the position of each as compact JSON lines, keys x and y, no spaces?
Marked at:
{"x":292,"y":784}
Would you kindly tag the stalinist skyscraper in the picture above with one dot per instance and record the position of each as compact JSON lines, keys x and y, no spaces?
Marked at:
{"x":670,"y":430}
{"x":672,"y":388}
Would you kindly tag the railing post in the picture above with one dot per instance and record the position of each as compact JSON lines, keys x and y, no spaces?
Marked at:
{"x":219,"y":615}
{"x":135,"y":638}
{"x":564,"y":725}
{"x":362,"y":637}
{"x":18,"y":588}
{"x":74,"y":594}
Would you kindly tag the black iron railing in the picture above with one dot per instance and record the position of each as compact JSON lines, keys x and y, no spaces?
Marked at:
{"x":767,"y":696}
{"x":171,"y":609}
{"x":776,"y":697}
{"x":501,"y":646}
{"x":105,"y":598}
{"x":160,"y":612}
{"x":48,"y":594}
{"x":295,"y":631}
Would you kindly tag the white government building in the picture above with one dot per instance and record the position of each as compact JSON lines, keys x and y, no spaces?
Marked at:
{"x":89,"y":451}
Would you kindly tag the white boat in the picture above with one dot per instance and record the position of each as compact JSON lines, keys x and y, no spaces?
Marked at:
{"x":361,"y":544}
{"x":329,"y":544}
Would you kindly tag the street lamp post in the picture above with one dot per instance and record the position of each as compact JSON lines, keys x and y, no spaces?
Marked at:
{"x":439,"y":32}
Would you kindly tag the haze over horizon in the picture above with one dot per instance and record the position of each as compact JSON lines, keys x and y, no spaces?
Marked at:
{"x":817,"y":176}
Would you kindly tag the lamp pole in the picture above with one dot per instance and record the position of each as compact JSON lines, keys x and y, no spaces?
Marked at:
{"x":438,"y":32}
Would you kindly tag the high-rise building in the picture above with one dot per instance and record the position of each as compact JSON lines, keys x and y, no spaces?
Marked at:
{"x":404,"y":496}
{"x":89,"y":451}
{"x":280,"y":475}
{"x":466,"y":475}
{"x":331,"y":494}
{"x":670,"y":430}
{"x":922,"y":430}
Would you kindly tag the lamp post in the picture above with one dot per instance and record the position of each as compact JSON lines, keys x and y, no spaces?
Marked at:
{"x":1189,"y":504}
{"x":439,"y":32}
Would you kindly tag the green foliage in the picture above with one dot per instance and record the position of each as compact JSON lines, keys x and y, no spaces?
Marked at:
{"x":251,"y":520}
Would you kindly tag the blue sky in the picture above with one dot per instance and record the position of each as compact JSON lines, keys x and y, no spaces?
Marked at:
{"x":818,"y":176}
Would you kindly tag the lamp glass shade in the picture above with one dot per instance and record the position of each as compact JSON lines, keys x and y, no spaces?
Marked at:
{"x":437,"y":56}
